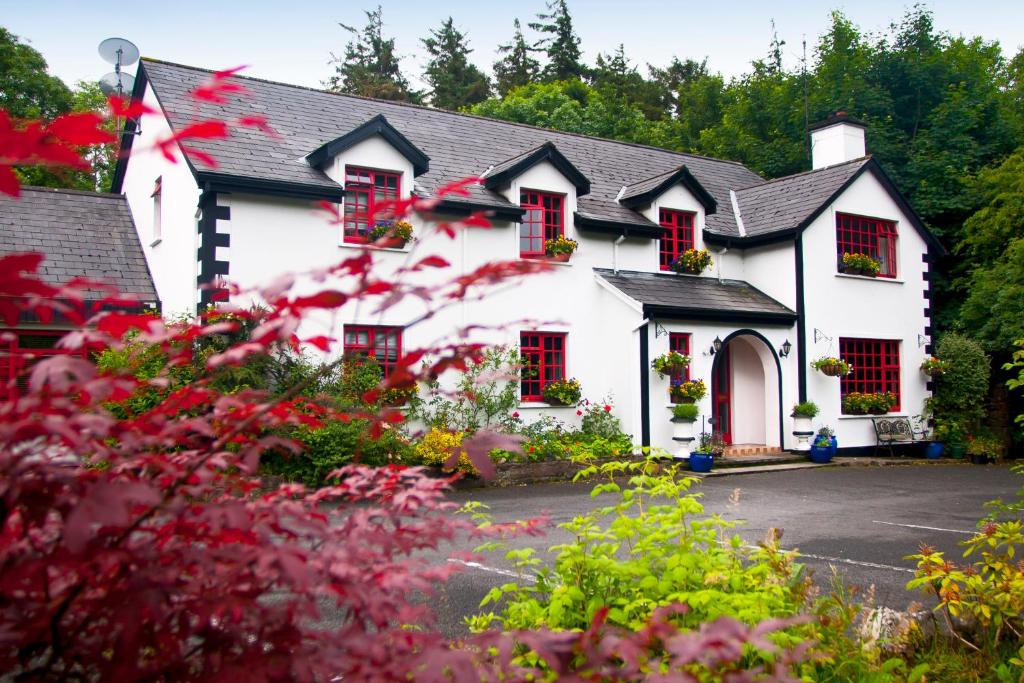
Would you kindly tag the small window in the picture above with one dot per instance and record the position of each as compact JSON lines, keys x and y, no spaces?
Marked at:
{"x":23,"y":350}
{"x":680,"y":343}
{"x":543,"y":356}
{"x":875,"y":367}
{"x":158,"y":212}
{"x":869,"y":236}
{"x":544,"y":219}
{"x":373,"y":341}
{"x":369,"y":199}
{"x":677,"y":236}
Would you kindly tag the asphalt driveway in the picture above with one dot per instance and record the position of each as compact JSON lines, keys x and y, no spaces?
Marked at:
{"x":861,"y":520}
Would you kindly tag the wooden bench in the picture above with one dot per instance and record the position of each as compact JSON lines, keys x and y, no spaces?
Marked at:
{"x":892,"y":430}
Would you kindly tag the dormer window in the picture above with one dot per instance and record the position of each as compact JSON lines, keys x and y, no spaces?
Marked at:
{"x":544,"y":219}
{"x":677,"y":236}
{"x":365,"y":192}
{"x":869,"y":236}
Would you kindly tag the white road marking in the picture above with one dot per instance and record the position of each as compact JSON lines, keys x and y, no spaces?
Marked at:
{"x":485,"y":568}
{"x":929,"y":528}
{"x":873,"y":565}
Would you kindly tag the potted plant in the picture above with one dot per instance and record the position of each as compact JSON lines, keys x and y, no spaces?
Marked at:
{"x":860,"y":264}
{"x":692,"y":262}
{"x":563,"y":392}
{"x":703,"y":458}
{"x":933,"y":367}
{"x":833,"y":367}
{"x":802,"y":415}
{"x":689,"y":391}
{"x":391,"y":234}
{"x":683,"y":417}
{"x":671,"y":363}
{"x":856,"y":403}
{"x":984,"y":449}
{"x":822,"y":449}
{"x":831,"y":434}
{"x":560,"y":248}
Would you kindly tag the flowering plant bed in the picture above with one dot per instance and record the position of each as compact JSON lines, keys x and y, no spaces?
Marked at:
{"x":856,"y":403}
{"x":860,"y":264}
{"x":933,"y":367}
{"x":833,"y":367}
{"x":560,"y":248}
{"x":563,"y":392}
{"x":688,"y":392}
{"x":671,"y":363}
{"x":692,"y":262}
{"x":393,"y":234}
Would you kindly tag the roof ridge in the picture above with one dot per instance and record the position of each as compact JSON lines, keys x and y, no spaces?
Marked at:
{"x":69,"y":190}
{"x":459,"y":113}
{"x":865,"y":158}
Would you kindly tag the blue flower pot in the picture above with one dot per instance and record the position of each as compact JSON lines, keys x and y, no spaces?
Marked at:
{"x":701,"y":463}
{"x":933,"y":451}
{"x":821,"y":454}
{"x":834,"y":447}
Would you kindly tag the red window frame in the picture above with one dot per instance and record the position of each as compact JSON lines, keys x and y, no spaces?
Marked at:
{"x":543,"y":355}
{"x":365,"y":190}
{"x":876,"y":367}
{"x":680,"y":343}
{"x":17,"y":357}
{"x":381,"y":342}
{"x":543,"y":220}
{"x":872,"y":237}
{"x":677,"y":237}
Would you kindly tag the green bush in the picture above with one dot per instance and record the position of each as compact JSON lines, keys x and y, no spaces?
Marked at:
{"x":962,"y":390}
{"x":485,"y":396}
{"x":805,"y":409}
{"x":599,"y":420}
{"x":686,"y":411}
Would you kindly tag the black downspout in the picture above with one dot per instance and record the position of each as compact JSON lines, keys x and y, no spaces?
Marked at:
{"x":801,"y":322}
{"x":645,"y":390}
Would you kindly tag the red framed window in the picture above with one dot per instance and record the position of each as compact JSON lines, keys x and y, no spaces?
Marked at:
{"x":677,"y":238}
{"x":876,"y":367}
{"x":869,"y":236}
{"x":365,"y":191}
{"x":24,"y":349}
{"x":375,"y":341}
{"x":680,"y":343}
{"x":544,"y":219}
{"x":543,"y":356}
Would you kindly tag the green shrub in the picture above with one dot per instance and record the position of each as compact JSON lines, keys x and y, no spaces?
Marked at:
{"x":962,"y":390}
{"x":805,"y":409}
{"x":686,"y":411}
{"x":486,"y":396}
{"x":599,"y":420}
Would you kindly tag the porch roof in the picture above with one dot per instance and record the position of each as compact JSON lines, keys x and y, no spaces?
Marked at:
{"x":665,"y":295}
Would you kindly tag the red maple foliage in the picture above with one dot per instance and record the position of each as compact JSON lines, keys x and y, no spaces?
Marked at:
{"x":148,"y":548}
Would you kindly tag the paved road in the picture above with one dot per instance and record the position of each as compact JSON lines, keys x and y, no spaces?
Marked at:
{"x":862,"y":520}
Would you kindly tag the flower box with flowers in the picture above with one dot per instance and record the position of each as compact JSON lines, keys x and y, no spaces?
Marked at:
{"x":563,"y":392}
{"x":856,"y":403}
{"x":687,"y":391}
{"x":560,"y":248}
{"x":860,"y":264}
{"x":692,"y":262}
{"x":391,"y":234}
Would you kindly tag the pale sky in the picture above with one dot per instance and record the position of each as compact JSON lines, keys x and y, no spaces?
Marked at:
{"x":292,"y":41}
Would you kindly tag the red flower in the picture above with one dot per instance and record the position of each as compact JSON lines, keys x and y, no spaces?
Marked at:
{"x":515,"y":414}
{"x":531,"y":449}
{"x":607,"y":409}
{"x":579,"y":412}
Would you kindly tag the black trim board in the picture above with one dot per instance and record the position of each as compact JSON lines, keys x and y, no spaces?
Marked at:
{"x":546,"y":152}
{"x":616,"y":228}
{"x":681,"y":175}
{"x":511,"y":212}
{"x":801,"y":318}
{"x":378,"y":125}
{"x":749,"y":241}
{"x":645,"y":386}
{"x":654,"y":311}
{"x":128,"y":134}
{"x":217,"y":182}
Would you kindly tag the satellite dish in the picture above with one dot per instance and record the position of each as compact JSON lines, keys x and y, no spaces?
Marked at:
{"x":117,"y":83}
{"x":119,"y":51}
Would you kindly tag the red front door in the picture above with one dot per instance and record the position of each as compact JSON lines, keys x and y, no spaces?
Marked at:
{"x":721,"y":393}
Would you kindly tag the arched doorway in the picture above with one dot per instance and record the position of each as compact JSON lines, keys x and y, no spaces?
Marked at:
{"x":746,"y":401}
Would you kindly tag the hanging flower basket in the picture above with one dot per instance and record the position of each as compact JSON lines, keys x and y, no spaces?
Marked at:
{"x":933,"y":367}
{"x":687,"y":392}
{"x":832,"y":367}
{"x":670,"y":364}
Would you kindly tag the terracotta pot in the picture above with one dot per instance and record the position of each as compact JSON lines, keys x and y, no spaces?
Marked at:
{"x":561,"y":258}
{"x":391,"y":243}
{"x":681,"y":399}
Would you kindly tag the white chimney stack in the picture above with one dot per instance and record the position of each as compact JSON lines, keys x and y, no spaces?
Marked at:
{"x":837,"y":139}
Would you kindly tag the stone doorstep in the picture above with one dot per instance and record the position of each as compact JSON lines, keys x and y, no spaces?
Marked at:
{"x":744,"y":449}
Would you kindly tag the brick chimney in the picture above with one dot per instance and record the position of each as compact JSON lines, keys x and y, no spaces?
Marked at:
{"x":838,"y":138}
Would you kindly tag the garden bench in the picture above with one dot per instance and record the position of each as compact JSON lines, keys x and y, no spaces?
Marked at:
{"x":891,"y":430}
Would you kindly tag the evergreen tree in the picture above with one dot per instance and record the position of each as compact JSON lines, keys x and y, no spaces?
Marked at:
{"x":674,"y":76}
{"x":617,"y":79}
{"x":454,"y":82}
{"x":370,"y":66}
{"x":516,"y":67}
{"x":561,"y":43}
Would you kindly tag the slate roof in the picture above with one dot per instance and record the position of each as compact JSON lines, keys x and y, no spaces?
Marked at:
{"x":459,"y":145}
{"x":787,"y":203}
{"x":83,"y":234}
{"x":701,"y":298}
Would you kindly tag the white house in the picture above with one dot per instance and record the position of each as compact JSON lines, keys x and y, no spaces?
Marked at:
{"x":774,"y":300}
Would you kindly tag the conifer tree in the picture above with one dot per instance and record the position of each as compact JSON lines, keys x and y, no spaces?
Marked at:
{"x":516,"y":67}
{"x":561,"y":43}
{"x":370,"y":66}
{"x":454,"y":82}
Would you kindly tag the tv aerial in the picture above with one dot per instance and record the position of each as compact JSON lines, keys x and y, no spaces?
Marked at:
{"x":120,"y":53}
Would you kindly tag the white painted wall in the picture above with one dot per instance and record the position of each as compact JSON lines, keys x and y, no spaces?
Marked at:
{"x":835,"y":144}
{"x":172,"y":259}
{"x":878,"y":308}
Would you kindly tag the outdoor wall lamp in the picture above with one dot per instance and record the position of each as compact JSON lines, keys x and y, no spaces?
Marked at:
{"x":716,"y":346}
{"x":786,"y":348}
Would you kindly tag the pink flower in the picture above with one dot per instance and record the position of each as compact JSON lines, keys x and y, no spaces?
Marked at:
{"x":579,"y":412}
{"x":607,"y":409}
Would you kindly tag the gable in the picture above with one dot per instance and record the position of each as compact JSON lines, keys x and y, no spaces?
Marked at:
{"x":378,"y":126}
